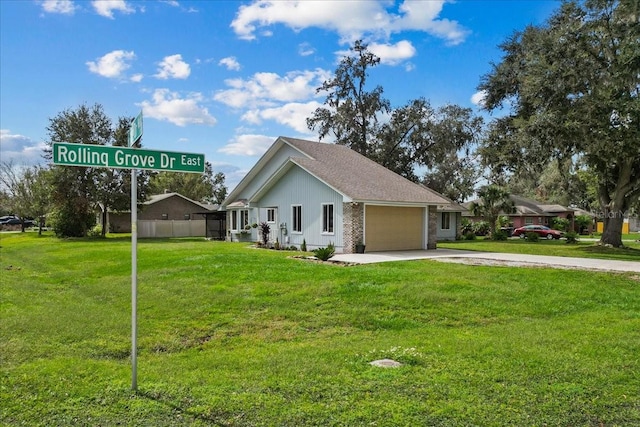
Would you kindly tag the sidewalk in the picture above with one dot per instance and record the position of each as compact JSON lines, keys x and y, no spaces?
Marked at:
{"x":492,"y":258}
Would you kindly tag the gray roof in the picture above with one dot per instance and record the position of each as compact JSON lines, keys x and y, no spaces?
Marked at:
{"x":528,"y":207}
{"x":358,"y":177}
{"x":159,"y":197}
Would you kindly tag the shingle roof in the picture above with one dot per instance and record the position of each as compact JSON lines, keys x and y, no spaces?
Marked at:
{"x":528,"y":207}
{"x":358,"y":177}
{"x":159,"y":197}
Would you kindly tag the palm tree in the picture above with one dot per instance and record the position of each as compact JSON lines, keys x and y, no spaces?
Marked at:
{"x":493,"y":202}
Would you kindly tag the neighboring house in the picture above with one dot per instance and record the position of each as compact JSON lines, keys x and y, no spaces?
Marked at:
{"x":324,"y":193}
{"x":528,"y":212}
{"x":171,"y":214}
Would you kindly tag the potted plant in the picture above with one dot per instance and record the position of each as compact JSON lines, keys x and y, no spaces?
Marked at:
{"x":360,"y":247}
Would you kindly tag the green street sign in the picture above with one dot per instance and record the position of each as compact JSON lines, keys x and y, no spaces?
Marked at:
{"x":135,"y":131}
{"x":103,"y":156}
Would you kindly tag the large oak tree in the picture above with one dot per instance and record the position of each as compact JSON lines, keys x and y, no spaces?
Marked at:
{"x":403,"y":139}
{"x":572,"y":90}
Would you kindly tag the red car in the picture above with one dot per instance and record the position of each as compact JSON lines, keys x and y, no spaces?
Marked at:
{"x":540,"y":230}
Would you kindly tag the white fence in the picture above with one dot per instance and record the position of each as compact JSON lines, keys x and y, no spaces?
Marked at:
{"x":172,"y":228}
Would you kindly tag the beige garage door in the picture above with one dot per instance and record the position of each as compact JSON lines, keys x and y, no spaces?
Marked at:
{"x":389,"y":228}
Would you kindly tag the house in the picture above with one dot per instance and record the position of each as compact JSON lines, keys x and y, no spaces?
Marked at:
{"x":528,"y":212}
{"x":171,"y":215}
{"x":321,"y":193}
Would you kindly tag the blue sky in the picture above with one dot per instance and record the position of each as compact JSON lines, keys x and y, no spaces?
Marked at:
{"x":226,"y":78}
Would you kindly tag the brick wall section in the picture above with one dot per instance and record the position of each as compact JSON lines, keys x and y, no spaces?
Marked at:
{"x":353,"y":223}
{"x":433,"y":227}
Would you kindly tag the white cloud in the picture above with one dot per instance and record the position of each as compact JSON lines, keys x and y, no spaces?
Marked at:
{"x":230,"y":62}
{"x":19,"y":149}
{"x":137,"y":78}
{"x":266,"y":89}
{"x":65,"y":7}
{"x":169,"y":106}
{"x":173,"y":67}
{"x":293,"y":115}
{"x":113,"y":64}
{"x":478,"y":98}
{"x":393,"y":54}
{"x":305,"y":49}
{"x":248,"y":145}
{"x":107,"y":7}
{"x":364,"y":18}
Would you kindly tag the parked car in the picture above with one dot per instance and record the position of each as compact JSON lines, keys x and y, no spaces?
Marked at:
{"x":540,"y":230}
{"x":14,"y":220}
{"x":10,"y":220}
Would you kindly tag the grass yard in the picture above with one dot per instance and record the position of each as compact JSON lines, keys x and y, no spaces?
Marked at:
{"x":583,"y":249}
{"x":234,"y":336}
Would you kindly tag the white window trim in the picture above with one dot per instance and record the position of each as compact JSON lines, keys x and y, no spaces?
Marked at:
{"x":333,"y":220}
{"x":293,"y":223}
{"x":244,"y":216}
{"x":442,"y":216}
{"x":234,"y":218}
{"x":271,"y":221}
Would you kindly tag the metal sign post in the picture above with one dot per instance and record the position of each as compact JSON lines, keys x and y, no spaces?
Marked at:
{"x":135,"y":133}
{"x":134,"y":279}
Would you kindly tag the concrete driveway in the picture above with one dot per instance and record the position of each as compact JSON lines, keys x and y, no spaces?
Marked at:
{"x":492,"y":258}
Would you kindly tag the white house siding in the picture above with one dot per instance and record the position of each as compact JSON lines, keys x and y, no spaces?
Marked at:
{"x":450,"y":234}
{"x":279,"y":158}
{"x":297,"y":187}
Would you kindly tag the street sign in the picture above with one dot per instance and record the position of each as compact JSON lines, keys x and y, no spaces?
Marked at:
{"x":105,"y":156}
{"x":135,"y":131}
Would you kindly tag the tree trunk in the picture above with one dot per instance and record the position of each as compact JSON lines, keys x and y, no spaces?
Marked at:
{"x":612,"y":233}
{"x":104,"y":221}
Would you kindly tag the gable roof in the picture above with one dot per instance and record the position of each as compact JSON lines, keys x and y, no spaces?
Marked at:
{"x":160,"y":197}
{"x":349,"y":173}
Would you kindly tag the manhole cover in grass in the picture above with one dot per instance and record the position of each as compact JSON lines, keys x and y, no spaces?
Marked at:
{"x":385,"y":363}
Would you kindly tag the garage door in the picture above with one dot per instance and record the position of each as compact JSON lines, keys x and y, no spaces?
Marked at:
{"x":389,"y":228}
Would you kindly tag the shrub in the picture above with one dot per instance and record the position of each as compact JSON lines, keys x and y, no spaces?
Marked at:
{"x":466,"y":226}
{"x":533,"y":237}
{"x":303,"y":247}
{"x":469,"y":236}
{"x":499,"y":235}
{"x":481,"y":228}
{"x":96,"y":231}
{"x":265,"y":229}
{"x":324,"y":254}
{"x":571,"y":237}
{"x":561,"y":224}
{"x":583,"y":222}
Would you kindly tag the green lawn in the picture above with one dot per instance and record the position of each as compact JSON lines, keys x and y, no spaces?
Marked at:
{"x":583,"y":249}
{"x":235,"y":336}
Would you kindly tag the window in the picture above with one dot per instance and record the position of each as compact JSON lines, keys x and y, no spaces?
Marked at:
{"x":187,"y":216}
{"x":327,"y":218}
{"x":445,"y":220}
{"x":296,"y":215}
{"x":244,"y":219}
{"x":271,"y":215}
{"x":528,"y":221}
{"x":165,"y":216}
{"x":234,"y":220}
